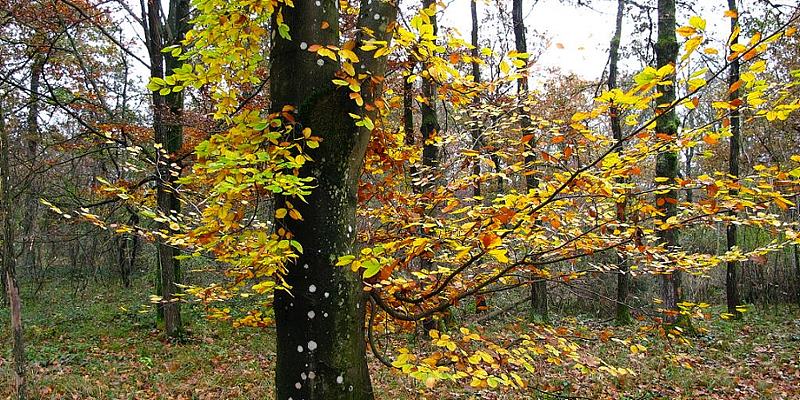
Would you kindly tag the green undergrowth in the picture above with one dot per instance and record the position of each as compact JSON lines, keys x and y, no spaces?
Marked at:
{"x":104,"y":344}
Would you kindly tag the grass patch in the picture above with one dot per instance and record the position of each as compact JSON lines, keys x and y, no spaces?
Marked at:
{"x":104,"y":344}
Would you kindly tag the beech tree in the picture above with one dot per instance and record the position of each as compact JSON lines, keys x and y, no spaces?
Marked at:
{"x":168,"y":128}
{"x":731,"y":288}
{"x":667,"y":161}
{"x":622,"y":315}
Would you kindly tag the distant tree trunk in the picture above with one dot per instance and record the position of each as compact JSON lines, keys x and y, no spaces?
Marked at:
{"x":32,"y":139}
{"x":9,"y":270}
{"x":667,"y":161}
{"x":408,"y":126}
{"x":429,"y":125}
{"x":797,"y":254}
{"x":687,"y":173}
{"x":477,"y":141}
{"x":539,"y":311}
{"x":320,"y":325}
{"x":623,"y":312}
{"x":168,"y":130}
{"x":128,"y":248}
{"x":731,"y":290}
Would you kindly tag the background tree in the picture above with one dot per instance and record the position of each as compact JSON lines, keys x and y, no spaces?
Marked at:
{"x":168,"y":128}
{"x":731,"y":284}
{"x":667,"y":161}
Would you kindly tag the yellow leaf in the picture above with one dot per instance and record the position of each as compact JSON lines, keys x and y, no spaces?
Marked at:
{"x":499,"y":255}
{"x":697,"y":22}
{"x":686,"y":31}
{"x":280,"y":213}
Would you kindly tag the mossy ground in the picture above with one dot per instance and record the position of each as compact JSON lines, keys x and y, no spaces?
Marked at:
{"x":104,"y":344}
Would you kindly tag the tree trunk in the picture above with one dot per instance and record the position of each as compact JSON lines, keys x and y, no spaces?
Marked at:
{"x":168,"y":130}
{"x":127,"y":251}
{"x":9,"y":270}
{"x":623,"y":312}
{"x":429,"y":124}
{"x":667,"y":161}
{"x":321,"y":348}
{"x":687,"y":173}
{"x":477,"y":140}
{"x":408,"y":127}
{"x":731,"y":290}
{"x":539,"y":311}
{"x":32,"y":139}
{"x":797,"y":254}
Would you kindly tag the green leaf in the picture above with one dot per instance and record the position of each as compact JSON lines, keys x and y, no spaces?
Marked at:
{"x":372,"y":267}
{"x":283,"y":30}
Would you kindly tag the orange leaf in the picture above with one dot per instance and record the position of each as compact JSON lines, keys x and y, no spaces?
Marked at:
{"x":526,"y":138}
{"x":735,"y":86}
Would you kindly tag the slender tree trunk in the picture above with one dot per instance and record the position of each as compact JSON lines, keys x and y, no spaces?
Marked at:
{"x":320,"y":326}
{"x":477,"y":140}
{"x":408,"y":127}
{"x":128,"y":247}
{"x":539,"y":310}
{"x":32,"y":139}
{"x":623,"y":312}
{"x":687,"y":173}
{"x":797,"y":254}
{"x":429,"y":124}
{"x":9,"y":270}
{"x":667,"y":161}
{"x":731,"y":289}
{"x":168,"y":130}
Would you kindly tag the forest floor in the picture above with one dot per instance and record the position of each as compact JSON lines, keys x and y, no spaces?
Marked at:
{"x":103,"y":344}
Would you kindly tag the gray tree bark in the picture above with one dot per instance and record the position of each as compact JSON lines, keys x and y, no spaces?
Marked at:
{"x":731,"y":289}
{"x":539,"y":309}
{"x":429,"y":123}
{"x":9,"y":267}
{"x":168,"y":130}
{"x":667,"y":161}
{"x":321,"y":347}
{"x":623,"y":312}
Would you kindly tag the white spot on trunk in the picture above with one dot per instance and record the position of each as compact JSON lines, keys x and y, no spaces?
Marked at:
{"x":303,"y":45}
{"x":312,"y":375}
{"x":325,"y":315}
{"x":327,"y":295}
{"x":298,"y":385}
{"x":299,"y":349}
{"x":311,"y":314}
{"x":312,"y":345}
{"x":339,"y":379}
{"x":377,"y":17}
{"x":303,"y":376}
{"x":312,"y":289}
{"x":320,"y":62}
